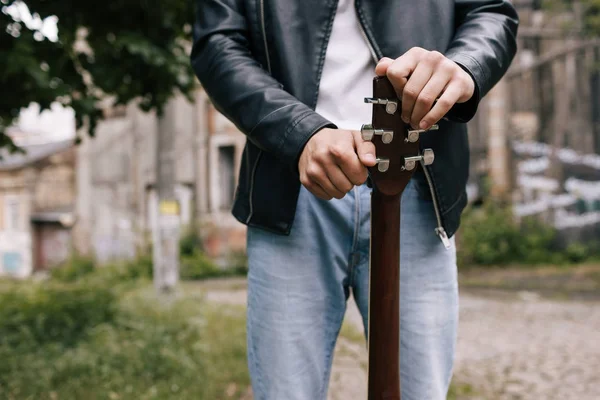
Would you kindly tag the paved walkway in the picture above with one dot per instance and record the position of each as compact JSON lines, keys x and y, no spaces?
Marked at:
{"x":511,"y":346}
{"x":525,"y":347}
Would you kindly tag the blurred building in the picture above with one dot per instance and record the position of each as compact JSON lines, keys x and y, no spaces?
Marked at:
{"x":116,"y":178}
{"x":37,"y":201}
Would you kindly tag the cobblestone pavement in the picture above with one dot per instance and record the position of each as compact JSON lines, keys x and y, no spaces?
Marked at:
{"x":525,"y":347}
{"x":511,"y":346}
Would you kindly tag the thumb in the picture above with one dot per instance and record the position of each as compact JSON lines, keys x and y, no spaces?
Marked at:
{"x":383,"y":65}
{"x":365,"y":150}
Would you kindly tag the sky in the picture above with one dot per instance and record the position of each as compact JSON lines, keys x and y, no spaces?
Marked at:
{"x":59,"y":122}
{"x":48,"y":27}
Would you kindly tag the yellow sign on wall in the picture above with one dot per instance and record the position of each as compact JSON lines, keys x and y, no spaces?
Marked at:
{"x":168,"y":207}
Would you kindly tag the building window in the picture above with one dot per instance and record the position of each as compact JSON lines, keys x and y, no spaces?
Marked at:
{"x":226,"y":177}
{"x":12,"y":263}
{"x":12,"y":216}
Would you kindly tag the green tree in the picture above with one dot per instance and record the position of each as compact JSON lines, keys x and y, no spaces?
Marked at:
{"x":591,"y":13}
{"x":592,"y":17}
{"x":122,"y":49}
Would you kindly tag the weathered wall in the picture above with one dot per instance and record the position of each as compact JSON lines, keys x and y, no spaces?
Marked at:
{"x":116,"y":178}
{"x":15,"y":230}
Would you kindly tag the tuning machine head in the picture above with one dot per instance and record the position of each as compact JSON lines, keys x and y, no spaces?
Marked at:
{"x":367,"y":132}
{"x":391,"y":105}
{"x":383,"y":164}
{"x":413,"y":135}
{"x":426,"y":158}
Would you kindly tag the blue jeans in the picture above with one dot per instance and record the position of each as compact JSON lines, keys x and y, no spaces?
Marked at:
{"x":298,"y":286}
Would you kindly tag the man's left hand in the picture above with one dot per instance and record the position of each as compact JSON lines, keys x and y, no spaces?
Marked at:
{"x":421,"y":77}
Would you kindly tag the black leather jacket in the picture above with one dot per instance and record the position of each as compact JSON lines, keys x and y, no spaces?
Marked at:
{"x":260,"y":62}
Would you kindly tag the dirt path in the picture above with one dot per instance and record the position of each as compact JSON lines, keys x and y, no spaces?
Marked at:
{"x":514,"y":345}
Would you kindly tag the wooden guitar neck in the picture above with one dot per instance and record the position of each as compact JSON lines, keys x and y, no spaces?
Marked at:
{"x":384,"y":302}
{"x":398,"y":156}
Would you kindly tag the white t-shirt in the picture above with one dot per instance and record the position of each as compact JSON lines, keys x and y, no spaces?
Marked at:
{"x":348,"y":72}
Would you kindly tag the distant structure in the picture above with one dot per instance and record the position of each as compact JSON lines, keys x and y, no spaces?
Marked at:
{"x":116,"y":179}
{"x":37,"y":204}
{"x":536,"y":137}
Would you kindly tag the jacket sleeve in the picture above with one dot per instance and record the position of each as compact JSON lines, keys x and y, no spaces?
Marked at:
{"x":242,"y":89}
{"x":484,"y":45}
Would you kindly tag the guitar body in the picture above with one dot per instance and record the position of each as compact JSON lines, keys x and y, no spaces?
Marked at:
{"x":398,"y":155}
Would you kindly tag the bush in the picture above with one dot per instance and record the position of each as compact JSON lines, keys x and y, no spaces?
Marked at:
{"x":194,"y":265}
{"x":85,"y":269}
{"x":140,"y":268}
{"x":535,"y":243}
{"x":577,"y":252}
{"x":190,"y":242}
{"x":198,"y":266}
{"x":53,"y":313}
{"x":490,"y":235}
{"x":151,"y":349}
{"x":74,"y":269}
{"x":238,"y":263}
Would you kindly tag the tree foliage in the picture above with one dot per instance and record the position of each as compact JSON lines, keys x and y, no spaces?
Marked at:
{"x":592,"y":20}
{"x":122,"y":49}
{"x":590,"y":9}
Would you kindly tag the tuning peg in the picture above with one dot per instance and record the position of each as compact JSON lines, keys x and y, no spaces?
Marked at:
{"x":383,"y":164}
{"x":391,"y":106}
{"x":414,"y":134}
{"x":367,"y":132}
{"x":426,"y":158}
{"x":410,"y":163}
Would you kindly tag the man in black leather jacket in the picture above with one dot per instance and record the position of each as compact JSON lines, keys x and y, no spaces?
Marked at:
{"x":270,"y":67}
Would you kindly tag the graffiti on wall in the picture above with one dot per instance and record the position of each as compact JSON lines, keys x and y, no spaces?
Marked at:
{"x":573,"y":201}
{"x":12,"y":263}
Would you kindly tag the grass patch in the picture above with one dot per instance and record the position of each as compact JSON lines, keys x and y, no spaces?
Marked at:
{"x":461,"y":391}
{"x":350,"y":332}
{"x":145,"y":348}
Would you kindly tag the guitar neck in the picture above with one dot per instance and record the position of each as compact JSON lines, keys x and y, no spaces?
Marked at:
{"x":398,"y":156}
{"x":384,"y":310}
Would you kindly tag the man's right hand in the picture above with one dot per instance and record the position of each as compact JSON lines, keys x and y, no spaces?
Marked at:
{"x":334,"y":161}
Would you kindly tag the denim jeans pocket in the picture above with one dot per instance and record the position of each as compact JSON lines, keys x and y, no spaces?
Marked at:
{"x":419,"y":182}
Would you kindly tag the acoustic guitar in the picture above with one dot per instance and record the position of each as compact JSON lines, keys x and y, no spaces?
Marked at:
{"x":398,"y":157}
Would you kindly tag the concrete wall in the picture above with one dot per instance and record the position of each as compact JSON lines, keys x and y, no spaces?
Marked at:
{"x":109,"y":208}
{"x":15,"y":231}
{"x":117,"y":170}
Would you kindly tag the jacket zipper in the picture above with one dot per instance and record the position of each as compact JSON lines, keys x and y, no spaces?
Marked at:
{"x":252,"y":178}
{"x":439,"y":230}
{"x":255,"y":166}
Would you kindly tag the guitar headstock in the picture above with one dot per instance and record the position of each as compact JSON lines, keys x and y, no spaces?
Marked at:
{"x":396,"y":143}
